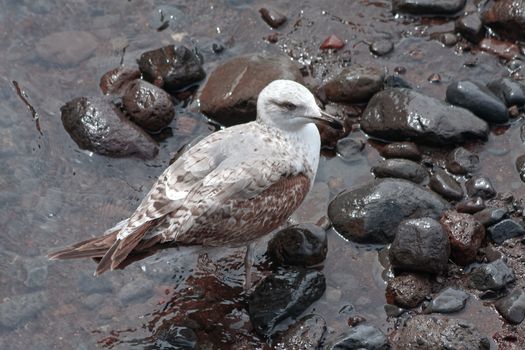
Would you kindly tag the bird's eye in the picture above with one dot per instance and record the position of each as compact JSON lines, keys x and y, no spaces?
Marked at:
{"x":289,"y":106}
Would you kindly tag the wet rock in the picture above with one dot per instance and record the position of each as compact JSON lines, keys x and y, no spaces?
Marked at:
{"x":402,"y":169}
{"x":381,"y":47}
{"x":272,"y":17}
{"x":136,"y":290}
{"x":434,"y":78}
{"x":171,"y":336}
{"x":470,"y":27}
{"x":171,"y":67}
{"x":17,"y":309}
{"x":148,"y":106}
{"x":354,"y":84}
{"x":88,"y":284}
{"x":97,"y":125}
{"x":230,"y":94}
{"x":349,"y":147}
{"x":512,"y":307}
{"x":283,"y":294}
{"x":307,"y":333}
{"x":332,"y":42}
{"x":363,"y":336}
{"x":36,"y":273}
{"x":300,"y":245}
{"x":445,"y":185}
{"x":465,"y":235}
{"x":520,"y":166}
{"x":504,"y":230}
{"x":420,"y":245}
{"x":495,"y":275}
{"x":490,"y":216}
{"x":449,"y":300}
{"x":408,"y":290}
{"x":116,"y":80}
{"x":508,"y":90}
{"x":425,"y":332}
{"x":480,"y":186}
{"x":428,"y":7}
{"x":447,"y":38}
{"x":506,"y":18}
{"x":400,"y":114}
{"x":371,"y":213}
{"x":217,"y":48}
{"x":471,"y":206}
{"x":500,"y":48}
{"x":406,"y":150}
{"x":478,"y":99}
{"x":67,"y":48}
{"x":461,"y":161}
{"x":395,"y":81}
{"x":314,"y":207}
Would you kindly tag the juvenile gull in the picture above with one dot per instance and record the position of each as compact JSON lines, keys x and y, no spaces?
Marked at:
{"x":231,"y":188}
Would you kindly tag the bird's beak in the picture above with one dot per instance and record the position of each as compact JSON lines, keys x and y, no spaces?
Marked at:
{"x":329,"y":120}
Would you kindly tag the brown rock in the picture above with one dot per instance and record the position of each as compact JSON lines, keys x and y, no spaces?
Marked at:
{"x":354,"y":84}
{"x":408,"y":290}
{"x":273,"y":17}
{"x":507,"y":18}
{"x":465,"y":234}
{"x":67,"y":48}
{"x":230,"y":94}
{"x":407,"y":150}
{"x":503,"y":49}
{"x":116,"y":80}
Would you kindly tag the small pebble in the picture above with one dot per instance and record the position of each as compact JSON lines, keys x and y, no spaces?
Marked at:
{"x":272,"y":17}
{"x":332,"y":42}
{"x":381,"y":47}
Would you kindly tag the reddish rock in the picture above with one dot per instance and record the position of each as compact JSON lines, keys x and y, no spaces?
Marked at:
{"x":507,"y":18}
{"x":408,"y":290}
{"x":354,"y":84}
{"x":116,"y":80}
{"x":332,"y":42}
{"x":273,"y":17}
{"x":500,"y":48}
{"x":465,"y":234}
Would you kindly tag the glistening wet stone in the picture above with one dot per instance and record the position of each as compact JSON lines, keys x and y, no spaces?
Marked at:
{"x":371,"y":212}
{"x":445,"y":185}
{"x":381,"y":47}
{"x":465,"y":235}
{"x":398,"y":114}
{"x":354,"y":84}
{"x":428,"y":7}
{"x":471,"y":205}
{"x":448,"y":301}
{"x":480,"y":186}
{"x":495,"y":275}
{"x":490,"y":216}
{"x":470,"y":27}
{"x":506,"y":19}
{"x":408,"y":290}
{"x":284,"y":294}
{"x":402,"y":169}
{"x":97,"y":125}
{"x":116,"y":80}
{"x":508,"y":90}
{"x":420,"y":245}
{"x":461,"y":161}
{"x":505,"y":229}
{"x":306,"y":333}
{"x":512,"y":307}
{"x":406,"y":150}
{"x":478,"y":99}
{"x":272,"y":17}
{"x":171,"y":336}
{"x":363,"y":336}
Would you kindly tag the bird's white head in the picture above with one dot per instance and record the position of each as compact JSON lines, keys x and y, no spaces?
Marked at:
{"x":289,"y":105}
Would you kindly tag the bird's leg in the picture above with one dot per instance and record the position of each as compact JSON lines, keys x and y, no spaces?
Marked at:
{"x":248,"y":263}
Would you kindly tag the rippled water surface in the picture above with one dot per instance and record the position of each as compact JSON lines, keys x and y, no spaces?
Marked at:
{"x":52,"y":193}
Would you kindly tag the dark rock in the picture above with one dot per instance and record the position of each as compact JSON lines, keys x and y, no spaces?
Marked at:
{"x":136,"y":290}
{"x":465,"y":235}
{"x":428,"y":332}
{"x":393,"y":311}
{"x":490,"y":216}
{"x":217,"y":48}
{"x":420,"y":245}
{"x":97,"y":125}
{"x":407,"y":150}
{"x":372,"y":212}
{"x":447,"y":39}
{"x":480,"y":186}
{"x":170,"y":336}
{"x":470,"y":27}
{"x":508,"y":90}
{"x":408,"y":290}
{"x":445,"y":185}
{"x":363,"y":337}
{"x":428,"y":7}
{"x":495,"y":275}
{"x":284,"y":294}
{"x":230,"y":94}
{"x":381,"y":47}
{"x":504,"y":230}
{"x":449,"y":300}
{"x":116,"y":80}
{"x":171,"y":67}
{"x":300,"y":245}
{"x":506,"y":18}
{"x":402,"y":169}
{"x":512,"y":307}
{"x":395,"y":81}
{"x":272,"y":17}
{"x":478,"y":99}
{"x":400,"y":114}
{"x":67,"y":48}
{"x":349,"y":147}
{"x":354,"y":84}
{"x":503,"y":49}
{"x":18,"y":309}
{"x":307,"y":333}
{"x":148,"y":106}
{"x":471,"y":206}
{"x":461,"y":161}
{"x":332,"y":42}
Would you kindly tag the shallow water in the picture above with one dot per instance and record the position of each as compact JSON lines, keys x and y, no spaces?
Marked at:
{"x":53,"y":194}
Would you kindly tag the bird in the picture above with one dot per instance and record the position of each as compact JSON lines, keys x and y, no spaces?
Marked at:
{"x":228,"y":190}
